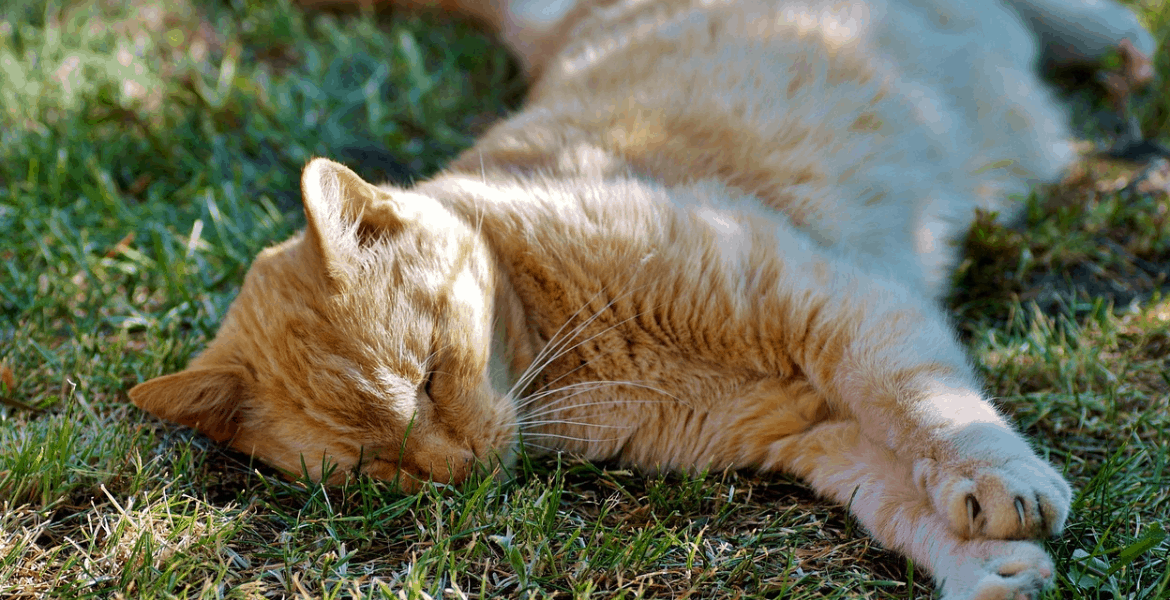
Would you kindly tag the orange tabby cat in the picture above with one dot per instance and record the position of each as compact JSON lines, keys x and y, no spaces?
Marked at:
{"x":713,"y":238}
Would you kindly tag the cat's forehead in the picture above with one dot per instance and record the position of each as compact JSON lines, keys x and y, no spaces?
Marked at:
{"x":402,"y":292}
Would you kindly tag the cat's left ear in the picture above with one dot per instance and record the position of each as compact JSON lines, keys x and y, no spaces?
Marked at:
{"x":207,"y":399}
{"x":342,"y":211}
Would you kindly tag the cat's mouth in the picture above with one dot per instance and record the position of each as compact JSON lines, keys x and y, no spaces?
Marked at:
{"x":409,"y":473}
{"x":409,"y":476}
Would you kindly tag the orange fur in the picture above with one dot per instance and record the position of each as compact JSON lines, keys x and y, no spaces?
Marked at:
{"x":706,"y":242}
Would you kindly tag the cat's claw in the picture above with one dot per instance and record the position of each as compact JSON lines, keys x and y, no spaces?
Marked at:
{"x":995,"y":570}
{"x":995,"y":487}
{"x":1012,"y":501}
{"x":1025,"y":521}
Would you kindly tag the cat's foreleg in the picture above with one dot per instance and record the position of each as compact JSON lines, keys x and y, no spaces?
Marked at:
{"x":884,"y":356}
{"x":877,"y":486}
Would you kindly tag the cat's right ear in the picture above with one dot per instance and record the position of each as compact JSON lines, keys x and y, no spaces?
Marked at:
{"x":342,"y":209}
{"x":207,"y":399}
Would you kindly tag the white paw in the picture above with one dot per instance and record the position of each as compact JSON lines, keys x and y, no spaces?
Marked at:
{"x":996,"y":570}
{"x":989,"y":484}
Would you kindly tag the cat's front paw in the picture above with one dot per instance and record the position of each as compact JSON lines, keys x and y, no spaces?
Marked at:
{"x":987,"y":483}
{"x":996,"y":570}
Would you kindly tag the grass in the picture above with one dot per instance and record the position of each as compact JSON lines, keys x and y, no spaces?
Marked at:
{"x":147,"y":152}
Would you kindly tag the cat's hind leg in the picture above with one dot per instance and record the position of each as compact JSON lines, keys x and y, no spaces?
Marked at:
{"x":525,"y":26}
{"x":1082,"y":31}
{"x":881,"y":489}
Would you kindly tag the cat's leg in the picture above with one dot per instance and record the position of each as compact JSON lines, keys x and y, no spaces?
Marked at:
{"x":980,"y":475}
{"x":880,"y":489}
{"x":488,"y":11}
{"x":525,"y":26}
{"x":883,"y":355}
{"x":529,"y":29}
{"x":1082,"y":31}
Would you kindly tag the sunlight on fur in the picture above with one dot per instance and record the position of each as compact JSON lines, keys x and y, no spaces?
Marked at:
{"x":715,"y":237}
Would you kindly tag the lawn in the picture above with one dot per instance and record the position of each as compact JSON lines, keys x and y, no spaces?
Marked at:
{"x":148,"y":151}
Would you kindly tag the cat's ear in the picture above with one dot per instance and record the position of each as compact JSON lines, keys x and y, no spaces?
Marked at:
{"x":207,"y":399}
{"x":342,"y":211}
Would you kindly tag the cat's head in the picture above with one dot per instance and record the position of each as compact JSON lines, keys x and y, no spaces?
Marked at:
{"x":363,"y":342}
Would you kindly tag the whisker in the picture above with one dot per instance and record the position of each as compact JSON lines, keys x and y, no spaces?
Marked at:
{"x":548,"y":410}
{"x":562,"y":351}
{"x":531,"y":398}
{"x":564,"y":375}
{"x":527,"y":401}
{"x":590,"y":338}
{"x":541,"y":447}
{"x":553,"y":341}
{"x":572,"y":438}
{"x":559,"y":404}
{"x":574,"y":423}
{"x":479,"y":204}
{"x":552,"y":350}
{"x":430,"y":359}
{"x":555,"y":347}
{"x":560,"y":401}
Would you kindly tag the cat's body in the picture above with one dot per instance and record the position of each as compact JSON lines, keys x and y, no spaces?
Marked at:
{"x":713,"y":238}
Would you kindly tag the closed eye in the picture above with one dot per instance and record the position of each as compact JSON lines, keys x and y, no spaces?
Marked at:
{"x":428,"y":383}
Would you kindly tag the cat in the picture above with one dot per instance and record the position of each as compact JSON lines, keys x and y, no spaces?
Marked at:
{"x":715,"y":236}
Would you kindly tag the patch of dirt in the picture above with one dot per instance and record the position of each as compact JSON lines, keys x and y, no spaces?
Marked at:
{"x":1102,"y":234}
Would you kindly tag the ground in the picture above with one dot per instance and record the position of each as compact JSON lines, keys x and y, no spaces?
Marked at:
{"x":149,"y":150}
